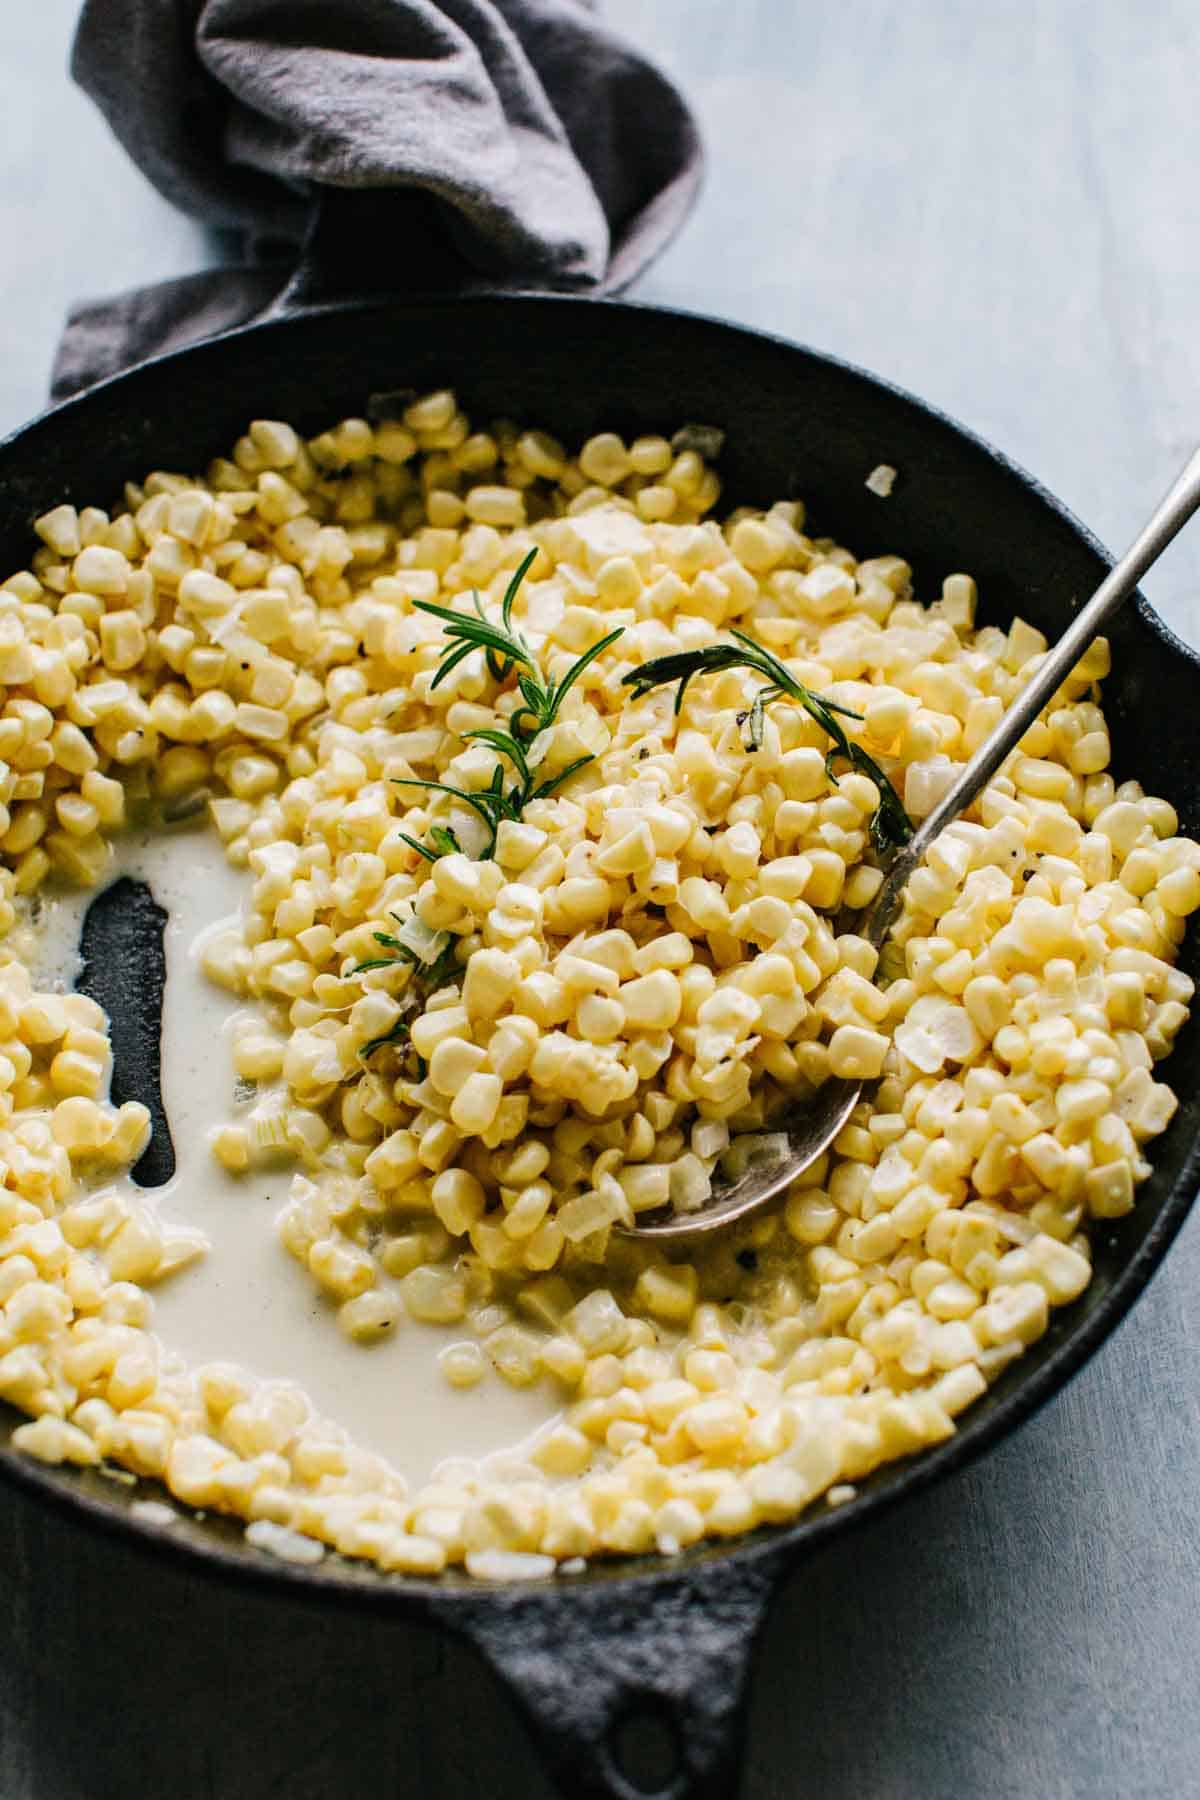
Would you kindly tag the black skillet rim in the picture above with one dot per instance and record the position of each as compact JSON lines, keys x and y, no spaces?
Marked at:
{"x":361,"y":1585}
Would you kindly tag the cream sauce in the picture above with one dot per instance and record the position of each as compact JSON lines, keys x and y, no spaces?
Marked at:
{"x":247,"y":1300}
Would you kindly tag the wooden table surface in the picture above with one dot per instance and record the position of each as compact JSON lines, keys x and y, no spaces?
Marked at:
{"x":993,"y":205}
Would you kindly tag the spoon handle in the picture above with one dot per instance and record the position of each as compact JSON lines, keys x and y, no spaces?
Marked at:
{"x":1173,"y":512}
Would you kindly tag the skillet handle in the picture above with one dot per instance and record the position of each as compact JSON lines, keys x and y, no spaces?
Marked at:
{"x":667,"y":1655}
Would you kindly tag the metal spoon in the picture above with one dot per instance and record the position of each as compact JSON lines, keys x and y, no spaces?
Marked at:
{"x":812,"y":1127}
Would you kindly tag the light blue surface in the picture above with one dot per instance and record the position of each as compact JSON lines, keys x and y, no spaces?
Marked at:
{"x":994,"y":206}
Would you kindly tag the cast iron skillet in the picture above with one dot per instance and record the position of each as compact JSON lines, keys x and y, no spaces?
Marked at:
{"x":669,"y":1639}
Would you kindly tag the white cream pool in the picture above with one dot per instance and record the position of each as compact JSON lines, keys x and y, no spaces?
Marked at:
{"x":247,"y":1301}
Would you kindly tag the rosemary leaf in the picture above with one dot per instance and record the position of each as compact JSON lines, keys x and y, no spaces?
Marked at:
{"x":420,"y":849}
{"x":451,"y":663}
{"x":575,"y":671}
{"x":514,"y":588}
{"x":507,"y":745}
{"x":556,"y":781}
{"x":397,"y":1035}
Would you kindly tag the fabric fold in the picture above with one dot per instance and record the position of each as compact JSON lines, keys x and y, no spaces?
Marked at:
{"x":382,"y":146}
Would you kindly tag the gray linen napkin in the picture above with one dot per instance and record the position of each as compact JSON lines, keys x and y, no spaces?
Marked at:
{"x":401,"y":146}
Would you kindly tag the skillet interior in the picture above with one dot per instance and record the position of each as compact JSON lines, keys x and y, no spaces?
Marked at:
{"x":798,"y":423}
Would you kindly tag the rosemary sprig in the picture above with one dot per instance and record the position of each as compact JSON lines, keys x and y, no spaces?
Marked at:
{"x":506,"y":649}
{"x":542,"y":700}
{"x":503,"y":798}
{"x":890,"y":824}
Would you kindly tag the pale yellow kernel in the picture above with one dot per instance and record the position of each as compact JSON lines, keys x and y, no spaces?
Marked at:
{"x":464,"y":1364}
{"x":475,"y":1105}
{"x":651,"y":1002}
